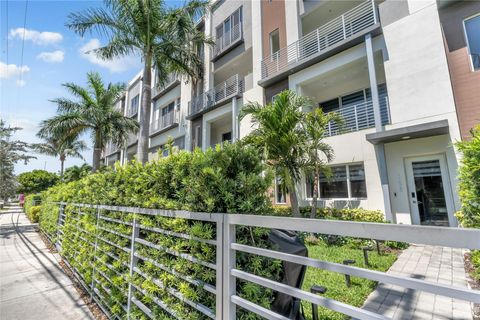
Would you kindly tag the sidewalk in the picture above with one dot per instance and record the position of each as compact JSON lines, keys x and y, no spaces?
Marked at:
{"x":32,"y":284}
{"x":435,"y":264}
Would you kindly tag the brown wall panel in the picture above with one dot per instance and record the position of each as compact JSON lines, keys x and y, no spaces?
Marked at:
{"x":273,"y":17}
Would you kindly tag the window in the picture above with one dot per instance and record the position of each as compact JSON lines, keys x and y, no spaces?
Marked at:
{"x":229,"y":31}
{"x":168,"y":114}
{"x":133,"y":106}
{"x":347,"y":181}
{"x":227,"y":136}
{"x":472,"y":32}
{"x":280,"y":194}
{"x":274,"y":42}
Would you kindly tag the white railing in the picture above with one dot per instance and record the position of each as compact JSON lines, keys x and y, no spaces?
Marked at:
{"x":228,"y":39}
{"x":231,"y":87}
{"x":164,"y":121}
{"x":132,"y":110}
{"x":111,"y":148}
{"x":359,"y":117}
{"x":321,"y":39}
{"x":132,"y":138}
{"x":123,"y":257}
{"x":171,"y":79}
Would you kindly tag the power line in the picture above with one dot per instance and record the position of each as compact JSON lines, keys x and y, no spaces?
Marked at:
{"x":23,"y":40}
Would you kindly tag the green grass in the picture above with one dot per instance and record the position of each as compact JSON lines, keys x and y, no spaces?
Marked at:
{"x":335,"y":282}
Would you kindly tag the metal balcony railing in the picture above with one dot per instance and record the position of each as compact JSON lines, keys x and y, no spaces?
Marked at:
{"x":321,"y":39}
{"x":359,"y":117}
{"x":111,"y":148}
{"x":230,"y":38}
{"x":132,"y":110}
{"x":164,"y":121}
{"x":132,"y":138}
{"x":171,"y":79}
{"x":225,"y":90}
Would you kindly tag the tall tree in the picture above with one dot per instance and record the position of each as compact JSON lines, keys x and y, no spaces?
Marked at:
{"x":92,"y":112}
{"x":61,"y":148}
{"x":165,"y":37}
{"x":11,"y":152}
{"x":317,"y":152}
{"x":75,"y":173}
{"x":279,"y":134}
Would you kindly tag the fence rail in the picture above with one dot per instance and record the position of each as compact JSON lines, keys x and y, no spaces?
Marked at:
{"x":321,"y":39}
{"x":113,"y":269}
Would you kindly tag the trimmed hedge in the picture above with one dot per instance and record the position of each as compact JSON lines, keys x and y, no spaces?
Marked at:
{"x":346,"y":214}
{"x":32,"y":207}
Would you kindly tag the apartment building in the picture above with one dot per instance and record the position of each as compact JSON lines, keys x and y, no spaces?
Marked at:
{"x":404,"y":74}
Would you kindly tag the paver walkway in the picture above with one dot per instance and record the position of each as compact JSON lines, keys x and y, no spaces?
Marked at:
{"x":435,"y":264}
{"x":32,"y":284}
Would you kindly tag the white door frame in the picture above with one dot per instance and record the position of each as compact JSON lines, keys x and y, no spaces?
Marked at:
{"x":447,"y":187}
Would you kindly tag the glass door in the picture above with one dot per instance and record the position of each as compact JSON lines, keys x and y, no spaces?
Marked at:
{"x":430,"y":194}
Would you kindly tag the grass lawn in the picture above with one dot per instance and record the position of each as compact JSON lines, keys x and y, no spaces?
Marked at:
{"x":335,"y":282}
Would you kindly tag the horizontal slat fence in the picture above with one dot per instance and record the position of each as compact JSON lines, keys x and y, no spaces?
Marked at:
{"x":143,"y":263}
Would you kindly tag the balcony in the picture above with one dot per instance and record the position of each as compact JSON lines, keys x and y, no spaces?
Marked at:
{"x":350,"y":25}
{"x":228,"y":40}
{"x":111,"y":148}
{"x":132,"y":139}
{"x":164,"y":123}
{"x":132,"y":111}
{"x":215,"y":97}
{"x":171,"y":81}
{"x":359,"y":117}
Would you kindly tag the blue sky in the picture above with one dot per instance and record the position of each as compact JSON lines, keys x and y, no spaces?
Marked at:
{"x":52,"y":55}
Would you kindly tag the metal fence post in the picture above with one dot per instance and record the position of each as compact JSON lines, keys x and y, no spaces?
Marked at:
{"x":94,"y":256}
{"x":61,"y":212}
{"x":219,"y":268}
{"x":229,"y":263}
{"x":133,"y":263}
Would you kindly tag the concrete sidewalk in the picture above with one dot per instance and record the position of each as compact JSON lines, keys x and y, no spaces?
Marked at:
{"x":32,"y":284}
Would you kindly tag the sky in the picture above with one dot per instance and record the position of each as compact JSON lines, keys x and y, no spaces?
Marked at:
{"x":52,"y":55}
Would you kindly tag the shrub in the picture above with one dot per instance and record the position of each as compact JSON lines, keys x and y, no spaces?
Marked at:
{"x":33,"y":213}
{"x":469,"y":180}
{"x":231,"y":179}
{"x":31,"y":207}
{"x":36,"y":181}
{"x":346,"y":214}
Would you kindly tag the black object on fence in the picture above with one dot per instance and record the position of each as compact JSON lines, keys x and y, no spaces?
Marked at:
{"x":365,"y":255}
{"x":293,"y":274}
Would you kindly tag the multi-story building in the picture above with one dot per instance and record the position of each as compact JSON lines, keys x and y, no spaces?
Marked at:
{"x":404,"y":75}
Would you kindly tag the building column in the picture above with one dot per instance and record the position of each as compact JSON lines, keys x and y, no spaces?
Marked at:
{"x":235,"y":126}
{"x":205,"y":134}
{"x":379,"y":148}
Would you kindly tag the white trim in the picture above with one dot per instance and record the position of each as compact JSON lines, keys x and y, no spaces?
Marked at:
{"x":472,"y":67}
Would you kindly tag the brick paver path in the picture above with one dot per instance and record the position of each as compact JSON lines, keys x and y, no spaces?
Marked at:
{"x":435,"y":264}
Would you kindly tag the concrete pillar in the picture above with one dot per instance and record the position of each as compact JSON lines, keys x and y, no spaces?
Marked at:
{"x":235,"y":126}
{"x":205,"y":134}
{"x":379,"y":148}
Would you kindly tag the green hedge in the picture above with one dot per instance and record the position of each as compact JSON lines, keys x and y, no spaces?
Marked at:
{"x":32,"y":208}
{"x":347,"y":214}
{"x":229,"y":179}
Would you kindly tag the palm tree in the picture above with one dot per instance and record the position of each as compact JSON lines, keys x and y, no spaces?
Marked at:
{"x":75,"y":173}
{"x":91,"y":112}
{"x":280,"y":136}
{"x":61,"y":148}
{"x":317,"y":153}
{"x":166,"y":38}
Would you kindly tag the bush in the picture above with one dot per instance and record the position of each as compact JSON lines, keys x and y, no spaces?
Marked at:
{"x":36,"y":181}
{"x":34,"y":213}
{"x":469,"y":180}
{"x":230,"y":179}
{"x":31,"y":207}
{"x":346,"y":214}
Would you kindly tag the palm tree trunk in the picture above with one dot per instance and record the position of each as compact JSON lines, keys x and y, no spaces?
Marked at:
{"x":294,"y":200}
{"x":97,"y":153}
{"x":62,"y":164}
{"x":313,"y":214}
{"x":142,"y":147}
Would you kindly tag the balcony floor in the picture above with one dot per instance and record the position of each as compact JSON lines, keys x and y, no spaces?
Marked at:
{"x":434,"y":264}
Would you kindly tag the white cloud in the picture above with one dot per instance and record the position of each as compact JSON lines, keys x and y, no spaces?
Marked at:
{"x":20,"y":83}
{"x":114,"y":65}
{"x":37,"y":37}
{"x":12,"y":70}
{"x":52,"y":57}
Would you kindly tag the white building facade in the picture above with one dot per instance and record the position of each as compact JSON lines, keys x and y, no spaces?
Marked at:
{"x":382,"y":65}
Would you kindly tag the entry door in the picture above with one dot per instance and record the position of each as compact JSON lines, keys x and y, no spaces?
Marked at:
{"x":430,"y":191}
